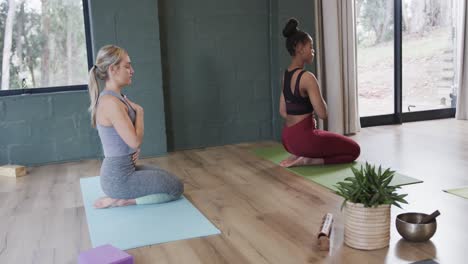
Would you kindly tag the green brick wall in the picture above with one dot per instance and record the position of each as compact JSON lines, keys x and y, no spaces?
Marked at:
{"x":37,"y":129}
{"x":216,"y":71}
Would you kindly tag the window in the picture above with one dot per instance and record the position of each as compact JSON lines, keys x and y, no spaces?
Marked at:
{"x":406,"y":60}
{"x":429,"y":54}
{"x":375,"y":31}
{"x":45,"y":46}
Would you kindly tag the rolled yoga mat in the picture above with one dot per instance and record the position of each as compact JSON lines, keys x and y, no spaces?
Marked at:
{"x":141,"y":225}
{"x":325,"y":175}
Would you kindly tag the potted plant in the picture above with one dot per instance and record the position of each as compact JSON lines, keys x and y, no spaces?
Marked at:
{"x":367,"y":200}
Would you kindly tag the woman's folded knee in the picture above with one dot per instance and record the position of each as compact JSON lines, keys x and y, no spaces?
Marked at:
{"x":357,"y":150}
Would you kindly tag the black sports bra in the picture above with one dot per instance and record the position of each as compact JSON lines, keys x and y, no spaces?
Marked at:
{"x":295,"y":103}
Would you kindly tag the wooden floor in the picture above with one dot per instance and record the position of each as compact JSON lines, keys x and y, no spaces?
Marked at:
{"x":265,"y":213}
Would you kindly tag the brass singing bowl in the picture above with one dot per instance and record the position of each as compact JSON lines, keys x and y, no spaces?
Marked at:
{"x":408,"y":226}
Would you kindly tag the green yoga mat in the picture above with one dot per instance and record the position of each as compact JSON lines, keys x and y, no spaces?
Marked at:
{"x":462,"y":192}
{"x":325,"y":175}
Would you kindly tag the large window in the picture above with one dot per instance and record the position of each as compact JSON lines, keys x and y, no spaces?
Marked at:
{"x":406,"y":59}
{"x":429,"y":44}
{"x":44,"y":45}
{"x":375,"y":33}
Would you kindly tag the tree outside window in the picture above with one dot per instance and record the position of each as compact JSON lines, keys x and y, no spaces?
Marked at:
{"x":43,"y":44}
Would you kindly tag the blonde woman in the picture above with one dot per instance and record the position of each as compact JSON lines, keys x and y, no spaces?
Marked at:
{"x":120,"y":125}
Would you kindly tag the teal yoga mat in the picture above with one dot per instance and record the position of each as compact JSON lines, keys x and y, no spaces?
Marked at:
{"x":325,"y":175}
{"x":462,"y":192}
{"x":141,"y":225}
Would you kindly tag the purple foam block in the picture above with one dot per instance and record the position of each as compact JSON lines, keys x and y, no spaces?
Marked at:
{"x":105,"y":254}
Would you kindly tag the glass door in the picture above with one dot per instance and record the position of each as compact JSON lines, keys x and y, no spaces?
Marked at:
{"x":429,"y":48}
{"x":406,"y":58}
{"x":375,"y":56}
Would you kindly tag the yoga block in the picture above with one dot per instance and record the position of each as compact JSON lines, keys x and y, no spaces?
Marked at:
{"x":105,"y":254}
{"x":12,"y":170}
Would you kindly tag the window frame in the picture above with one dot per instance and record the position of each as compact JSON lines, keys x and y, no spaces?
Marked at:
{"x":66,"y":88}
{"x":398,"y":116}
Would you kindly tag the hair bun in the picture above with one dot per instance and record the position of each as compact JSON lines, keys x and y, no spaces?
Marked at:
{"x":290,"y":28}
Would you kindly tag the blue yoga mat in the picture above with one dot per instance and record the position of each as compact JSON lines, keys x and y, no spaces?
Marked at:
{"x":142,"y":225}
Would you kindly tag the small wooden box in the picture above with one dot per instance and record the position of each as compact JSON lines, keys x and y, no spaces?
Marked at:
{"x":12,"y":170}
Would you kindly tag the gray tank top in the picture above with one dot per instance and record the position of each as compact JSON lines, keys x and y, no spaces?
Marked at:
{"x":112,"y":144}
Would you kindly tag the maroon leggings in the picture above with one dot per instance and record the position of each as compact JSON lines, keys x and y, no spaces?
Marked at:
{"x":303,"y":139}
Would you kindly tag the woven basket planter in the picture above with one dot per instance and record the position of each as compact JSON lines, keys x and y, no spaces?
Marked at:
{"x":367,"y":228}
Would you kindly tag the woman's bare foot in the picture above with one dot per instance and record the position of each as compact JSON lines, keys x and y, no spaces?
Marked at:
{"x":303,"y":161}
{"x":106,"y":202}
{"x":285,"y":163}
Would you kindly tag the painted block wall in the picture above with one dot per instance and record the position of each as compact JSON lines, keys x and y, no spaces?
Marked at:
{"x":216,"y":71}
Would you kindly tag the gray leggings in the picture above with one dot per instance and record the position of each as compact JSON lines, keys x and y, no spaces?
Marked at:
{"x":121,"y":179}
